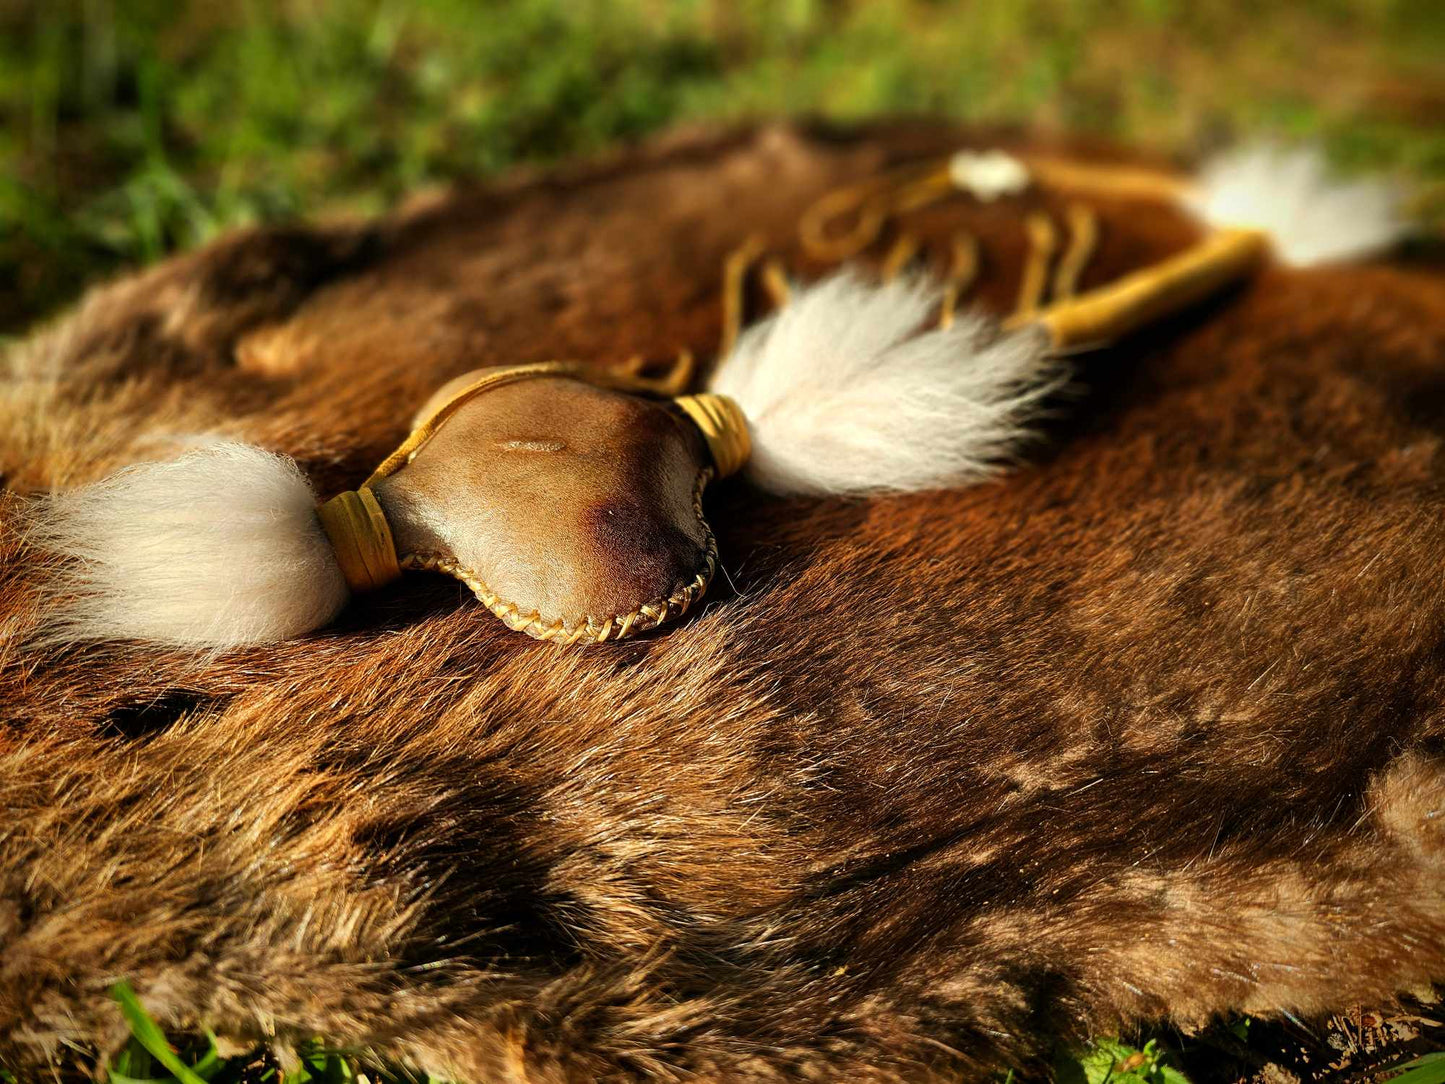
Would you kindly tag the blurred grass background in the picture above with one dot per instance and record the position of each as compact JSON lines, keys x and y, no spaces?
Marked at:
{"x":129,"y":128}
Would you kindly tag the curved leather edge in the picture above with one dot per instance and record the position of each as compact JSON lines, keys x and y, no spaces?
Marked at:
{"x":585,"y":628}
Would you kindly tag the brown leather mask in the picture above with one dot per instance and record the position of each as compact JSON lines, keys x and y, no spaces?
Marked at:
{"x":569,"y":504}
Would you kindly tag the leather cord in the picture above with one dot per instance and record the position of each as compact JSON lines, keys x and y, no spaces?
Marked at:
{"x":721,"y":422}
{"x":358,"y":531}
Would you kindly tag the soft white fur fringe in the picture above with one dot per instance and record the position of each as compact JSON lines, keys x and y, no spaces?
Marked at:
{"x":1312,"y":215}
{"x":845,"y":393}
{"x":217,"y":549}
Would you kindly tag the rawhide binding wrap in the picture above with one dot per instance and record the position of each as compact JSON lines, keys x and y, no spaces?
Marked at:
{"x":357,"y":529}
{"x":568,"y":503}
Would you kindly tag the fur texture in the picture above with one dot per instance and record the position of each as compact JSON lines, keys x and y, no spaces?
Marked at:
{"x":844,"y":395}
{"x":214,"y":550}
{"x":1311,"y":215}
{"x":1155,"y":728}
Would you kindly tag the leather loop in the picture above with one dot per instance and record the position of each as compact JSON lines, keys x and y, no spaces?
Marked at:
{"x":486,"y":379}
{"x":361,"y":537}
{"x":721,"y":422}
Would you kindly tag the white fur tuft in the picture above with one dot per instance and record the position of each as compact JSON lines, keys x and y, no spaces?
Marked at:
{"x":1311,"y":216}
{"x":219,"y":548}
{"x":844,"y":394}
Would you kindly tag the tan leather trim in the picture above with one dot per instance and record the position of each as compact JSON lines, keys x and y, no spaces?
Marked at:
{"x":426,"y":427}
{"x":585,"y":627}
{"x":1106,"y":314}
{"x":720,"y":421}
{"x":361,"y":537}
{"x":492,"y":378}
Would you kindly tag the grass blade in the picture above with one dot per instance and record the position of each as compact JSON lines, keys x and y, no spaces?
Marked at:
{"x":148,"y":1033}
{"x":1429,"y":1069}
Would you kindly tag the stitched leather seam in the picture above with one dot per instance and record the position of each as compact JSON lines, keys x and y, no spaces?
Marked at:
{"x":646,"y":616}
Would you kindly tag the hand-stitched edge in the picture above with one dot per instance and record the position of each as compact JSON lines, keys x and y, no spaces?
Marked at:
{"x":648,"y":615}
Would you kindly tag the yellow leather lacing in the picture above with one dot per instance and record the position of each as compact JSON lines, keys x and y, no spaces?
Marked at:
{"x":361,"y":537}
{"x":1107,"y":313}
{"x":899,"y":257}
{"x":735,"y":271}
{"x":586,"y":627}
{"x":826,"y":236}
{"x":870,"y":204}
{"x":721,"y":422}
{"x":1083,"y":238}
{"x":845,"y":221}
{"x":494,"y":378}
{"x":1035,"y":280}
{"x":963,"y":267}
{"x":718,"y":417}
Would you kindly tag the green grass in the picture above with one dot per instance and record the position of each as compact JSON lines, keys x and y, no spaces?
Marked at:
{"x":150,"y":1058}
{"x":1429,"y":1069}
{"x":130,"y":128}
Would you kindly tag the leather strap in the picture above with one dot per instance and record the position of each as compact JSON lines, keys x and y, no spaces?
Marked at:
{"x":721,"y":422}
{"x":361,"y":537}
{"x":1108,"y":313}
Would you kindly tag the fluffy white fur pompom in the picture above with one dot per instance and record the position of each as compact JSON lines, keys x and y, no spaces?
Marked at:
{"x":846,"y":391}
{"x":217,"y":549}
{"x":1311,"y":215}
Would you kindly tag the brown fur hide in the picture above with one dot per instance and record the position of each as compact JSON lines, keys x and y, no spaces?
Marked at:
{"x":1154,"y":726}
